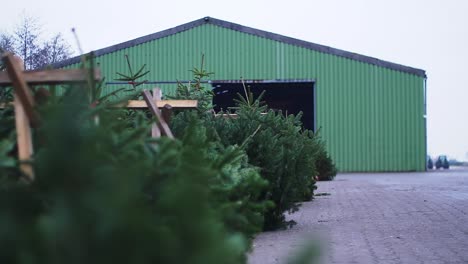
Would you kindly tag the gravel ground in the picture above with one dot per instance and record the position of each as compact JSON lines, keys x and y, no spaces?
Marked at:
{"x":379,"y":218}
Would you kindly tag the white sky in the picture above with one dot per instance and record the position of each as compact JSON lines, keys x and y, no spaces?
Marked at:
{"x":427,"y":34}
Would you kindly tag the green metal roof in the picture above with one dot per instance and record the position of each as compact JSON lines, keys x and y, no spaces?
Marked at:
{"x":252,"y":31}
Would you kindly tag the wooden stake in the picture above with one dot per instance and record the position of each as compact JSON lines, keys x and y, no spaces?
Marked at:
{"x":167,"y":113}
{"x":14,"y":67}
{"x":157,"y":95}
{"x":163,"y":127}
{"x":23,"y":104}
{"x":24,"y":139}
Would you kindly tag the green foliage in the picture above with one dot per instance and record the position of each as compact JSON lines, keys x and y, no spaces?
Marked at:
{"x":6,"y":95}
{"x":132,"y":77}
{"x":6,"y":146}
{"x":105,"y":192}
{"x":284,"y":154}
{"x":8,"y":153}
{"x":110,"y":194}
{"x":277,"y":145}
{"x":326,"y":169}
{"x":309,"y":253}
{"x":95,"y":89}
{"x":195,"y":90}
{"x":239,"y":186}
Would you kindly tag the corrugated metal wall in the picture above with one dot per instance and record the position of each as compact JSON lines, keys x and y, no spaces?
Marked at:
{"x":371,"y":117}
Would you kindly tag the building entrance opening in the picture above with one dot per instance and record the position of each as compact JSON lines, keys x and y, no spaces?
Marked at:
{"x":290,"y":97}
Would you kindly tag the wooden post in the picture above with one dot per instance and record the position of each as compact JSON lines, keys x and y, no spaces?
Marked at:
{"x":23,"y":104}
{"x":157,"y":95}
{"x":25,"y":114}
{"x":14,"y":67}
{"x":162,"y":125}
{"x":155,"y":132}
{"x":167,"y":113}
{"x":24,"y":140}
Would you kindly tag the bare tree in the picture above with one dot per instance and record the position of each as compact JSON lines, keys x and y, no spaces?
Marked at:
{"x":27,"y":43}
{"x":6,"y":42}
{"x":53,"y":50}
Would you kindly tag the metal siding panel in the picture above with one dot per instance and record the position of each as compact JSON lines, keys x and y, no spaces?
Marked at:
{"x":359,"y":125}
{"x":330,"y":121}
{"x":389,"y":148}
{"x":349,"y":104}
{"x":362,"y":124}
{"x":409,"y":122}
{"x":378,"y":117}
{"x":367,"y":108}
{"x":399,"y":127}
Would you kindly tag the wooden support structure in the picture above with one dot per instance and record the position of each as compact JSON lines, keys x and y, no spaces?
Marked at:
{"x":166,"y":112}
{"x":14,"y":68}
{"x":24,"y":104}
{"x":162,"y":109}
{"x":162,"y":125}
{"x":24,"y":140}
{"x":179,"y":104}
{"x":26,"y":116}
{"x":24,"y":113}
{"x":231,"y":115}
{"x":56,"y":76}
{"x":155,"y":131}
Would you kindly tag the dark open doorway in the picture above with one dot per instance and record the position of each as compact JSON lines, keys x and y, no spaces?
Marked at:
{"x":288,"y":96}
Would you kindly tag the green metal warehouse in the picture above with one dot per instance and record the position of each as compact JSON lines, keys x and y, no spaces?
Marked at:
{"x":370,"y":112}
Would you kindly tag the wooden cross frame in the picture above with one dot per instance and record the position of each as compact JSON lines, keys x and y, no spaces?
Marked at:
{"x":24,"y":104}
{"x":163,"y":116}
{"x":161,"y":127}
{"x":26,"y":116}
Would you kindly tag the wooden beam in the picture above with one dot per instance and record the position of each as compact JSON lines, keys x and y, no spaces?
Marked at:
{"x":155,"y":131}
{"x":227,"y":115}
{"x":141,"y":104}
{"x":24,"y":140}
{"x":176,"y":104}
{"x":232,"y":115}
{"x":23,"y":102}
{"x":157,"y":95}
{"x":163,"y":127}
{"x":56,"y":76}
{"x":14,"y":67}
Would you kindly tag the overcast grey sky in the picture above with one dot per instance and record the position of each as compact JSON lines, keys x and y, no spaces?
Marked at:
{"x":431,"y":35}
